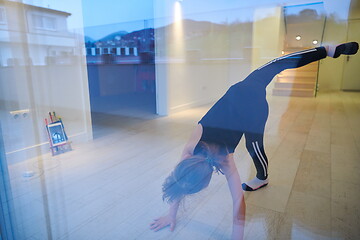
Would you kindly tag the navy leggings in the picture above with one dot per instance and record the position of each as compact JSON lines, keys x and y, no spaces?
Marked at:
{"x":243,"y":110}
{"x":264,"y":75}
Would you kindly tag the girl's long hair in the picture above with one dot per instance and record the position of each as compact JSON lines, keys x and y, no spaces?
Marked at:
{"x":193,"y":174}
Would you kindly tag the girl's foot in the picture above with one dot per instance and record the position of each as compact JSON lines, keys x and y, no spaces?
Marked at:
{"x":349,"y":48}
{"x":254,"y":184}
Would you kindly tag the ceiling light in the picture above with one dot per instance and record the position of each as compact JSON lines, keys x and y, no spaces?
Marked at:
{"x":315,"y":42}
{"x":298,"y":37}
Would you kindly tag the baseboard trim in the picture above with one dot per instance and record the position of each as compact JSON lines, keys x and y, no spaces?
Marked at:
{"x":193,"y":104}
{"x":23,"y":154}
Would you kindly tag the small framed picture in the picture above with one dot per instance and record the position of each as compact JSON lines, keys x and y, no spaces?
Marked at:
{"x":57,"y":133}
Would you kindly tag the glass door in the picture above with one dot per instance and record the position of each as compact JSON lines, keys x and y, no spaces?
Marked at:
{"x":6,"y":221}
{"x":42,"y":70}
{"x":304,"y":28}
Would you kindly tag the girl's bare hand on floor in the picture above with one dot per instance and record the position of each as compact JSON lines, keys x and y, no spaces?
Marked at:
{"x":162,"y":222}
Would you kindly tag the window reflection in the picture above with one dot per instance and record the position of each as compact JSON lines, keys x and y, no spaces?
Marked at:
{"x":121,"y":47}
{"x":121,"y":72}
{"x":2,"y":15}
{"x":108,"y":81}
{"x":304,"y":24}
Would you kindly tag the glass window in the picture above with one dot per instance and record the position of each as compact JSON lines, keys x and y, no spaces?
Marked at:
{"x":85,"y":143}
{"x":44,"y":22}
{"x":2,"y":15}
{"x":122,"y":50}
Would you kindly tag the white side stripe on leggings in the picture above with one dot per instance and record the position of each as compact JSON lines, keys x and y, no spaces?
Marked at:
{"x":289,"y":55}
{"x":262,"y":157}
{"x":261,"y":160}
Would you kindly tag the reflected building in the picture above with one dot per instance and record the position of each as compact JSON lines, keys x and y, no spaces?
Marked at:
{"x":44,"y":30}
{"x":39,"y":56}
{"x":121,"y":71}
{"x":121,"y":47}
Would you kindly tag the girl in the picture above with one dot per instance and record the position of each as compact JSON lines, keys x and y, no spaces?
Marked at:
{"x":243,"y":110}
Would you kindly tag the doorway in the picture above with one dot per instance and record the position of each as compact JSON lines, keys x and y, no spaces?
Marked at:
{"x":121,"y":74}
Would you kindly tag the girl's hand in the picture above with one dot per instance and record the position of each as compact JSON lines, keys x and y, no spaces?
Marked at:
{"x":162,"y":222}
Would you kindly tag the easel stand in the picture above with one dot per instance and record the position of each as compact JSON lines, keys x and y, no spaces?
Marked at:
{"x":58,"y":139}
{"x":56,"y":150}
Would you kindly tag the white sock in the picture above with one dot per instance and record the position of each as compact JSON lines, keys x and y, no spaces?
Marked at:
{"x":256,"y":183}
{"x":331,"y":50}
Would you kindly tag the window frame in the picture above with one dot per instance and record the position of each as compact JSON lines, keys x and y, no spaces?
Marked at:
{"x":3,"y":19}
{"x":43,"y":19}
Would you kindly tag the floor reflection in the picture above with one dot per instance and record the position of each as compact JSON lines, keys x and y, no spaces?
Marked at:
{"x":110,"y":188}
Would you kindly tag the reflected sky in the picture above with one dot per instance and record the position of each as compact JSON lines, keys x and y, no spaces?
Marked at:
{"x":106,"y":12}
{"x":99,"y":12}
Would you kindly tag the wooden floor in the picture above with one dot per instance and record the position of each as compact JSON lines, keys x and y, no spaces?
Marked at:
{"x":110,"y":188}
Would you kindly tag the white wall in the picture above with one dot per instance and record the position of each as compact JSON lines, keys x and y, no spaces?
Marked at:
{"x":268,"y":37}
{"x":182,"y":82}
{"x":197,"y":61}
{"x":190,"y":70}
{"x":331,"y":70}
{"x":335,"y":32}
